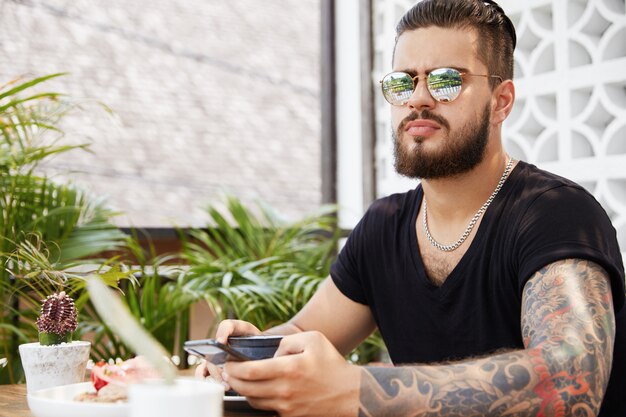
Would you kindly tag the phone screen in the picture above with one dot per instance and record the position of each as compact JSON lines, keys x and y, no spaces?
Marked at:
{"x":214,"y":351}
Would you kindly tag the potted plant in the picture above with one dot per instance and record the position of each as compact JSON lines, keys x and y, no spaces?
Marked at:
{"x":52,"y":235}
{"x":48,"y":230}
{"x":55,"y":359}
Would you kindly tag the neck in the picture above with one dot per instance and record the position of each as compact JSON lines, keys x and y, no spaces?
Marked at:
{"x":456,"y":199}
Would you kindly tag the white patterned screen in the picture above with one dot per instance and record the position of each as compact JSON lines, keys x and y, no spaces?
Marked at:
{"x":570,"y":111}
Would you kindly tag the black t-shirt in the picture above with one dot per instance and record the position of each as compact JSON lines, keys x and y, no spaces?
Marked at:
{"x":537,"y":218}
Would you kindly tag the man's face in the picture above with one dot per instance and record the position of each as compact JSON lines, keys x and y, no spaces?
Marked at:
{"x":433,"y":139}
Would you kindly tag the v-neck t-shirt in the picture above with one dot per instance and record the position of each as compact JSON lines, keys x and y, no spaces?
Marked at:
{"x":537,"y":218}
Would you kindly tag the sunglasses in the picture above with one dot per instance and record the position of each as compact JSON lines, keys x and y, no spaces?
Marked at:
{"x":444,"y":85}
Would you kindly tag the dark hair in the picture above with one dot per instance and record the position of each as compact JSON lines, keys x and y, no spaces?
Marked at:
{"x":496,"y":33}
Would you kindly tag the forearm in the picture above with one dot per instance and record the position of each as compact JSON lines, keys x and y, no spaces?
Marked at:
{"x":519,"y":383}
{"x":344,"y":322}
{"x":568,"y":328}
{"x":283,"y":329}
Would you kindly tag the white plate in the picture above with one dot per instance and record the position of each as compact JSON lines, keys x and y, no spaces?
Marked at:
{"x":241,"y":404}
{"x":59,"y":402}
{"x":234,"y":398}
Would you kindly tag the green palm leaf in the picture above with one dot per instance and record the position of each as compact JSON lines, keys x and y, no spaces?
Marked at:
{"x":48,"y":230}
{"x":252,"y":265}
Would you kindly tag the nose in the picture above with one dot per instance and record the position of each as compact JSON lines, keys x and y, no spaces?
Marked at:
{"x":421,"y":98}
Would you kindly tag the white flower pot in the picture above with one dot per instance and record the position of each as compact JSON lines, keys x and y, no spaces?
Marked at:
{"x":50,"y":366}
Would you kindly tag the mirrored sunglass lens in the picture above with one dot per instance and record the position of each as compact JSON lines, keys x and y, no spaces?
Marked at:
{"x":397,"y":87}
{"x":444,"y":84}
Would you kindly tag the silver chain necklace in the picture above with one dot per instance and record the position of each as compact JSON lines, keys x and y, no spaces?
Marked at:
{"x":472,"y":223}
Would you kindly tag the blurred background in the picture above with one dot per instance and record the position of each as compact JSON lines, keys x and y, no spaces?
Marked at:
{"x":279,"y":100}
{"x":207,"y":97}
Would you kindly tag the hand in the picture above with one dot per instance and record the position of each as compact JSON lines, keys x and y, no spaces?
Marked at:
{"x":225,"y":329}
{"x":307,"y":376}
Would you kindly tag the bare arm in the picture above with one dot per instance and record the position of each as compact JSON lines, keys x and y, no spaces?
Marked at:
{"x":344,"y":322}
{"x":568,"y":327}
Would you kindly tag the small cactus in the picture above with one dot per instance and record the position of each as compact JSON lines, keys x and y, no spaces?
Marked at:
{"x":58,"y":319}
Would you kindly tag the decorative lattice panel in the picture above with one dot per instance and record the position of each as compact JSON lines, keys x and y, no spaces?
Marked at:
{"x":570,"y":113}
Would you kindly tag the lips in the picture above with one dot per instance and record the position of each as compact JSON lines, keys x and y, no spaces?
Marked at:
{"x":421,"y":127}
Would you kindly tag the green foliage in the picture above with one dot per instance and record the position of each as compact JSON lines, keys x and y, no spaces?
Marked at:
{"x":47,"y":229}
{"x":155,"y":297}
{"x":253,"y":266}
{"x":256,"y":267}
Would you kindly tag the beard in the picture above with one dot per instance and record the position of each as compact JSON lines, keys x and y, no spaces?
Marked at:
{"x":458,"y":152}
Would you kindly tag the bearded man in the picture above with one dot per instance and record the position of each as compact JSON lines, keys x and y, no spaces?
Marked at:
{"x":497,"y":287}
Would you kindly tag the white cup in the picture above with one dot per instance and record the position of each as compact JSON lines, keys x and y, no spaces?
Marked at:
{"x":186,"y":397}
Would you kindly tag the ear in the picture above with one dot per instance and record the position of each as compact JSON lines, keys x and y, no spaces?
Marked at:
{"x":502,"y":101}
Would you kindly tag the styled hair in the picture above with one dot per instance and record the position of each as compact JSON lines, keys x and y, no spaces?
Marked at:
{"x":496,"y":33}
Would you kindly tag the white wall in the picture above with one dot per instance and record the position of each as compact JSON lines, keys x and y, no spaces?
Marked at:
{"x":349,"y":143}
{"x":209,"y":97}
{"x":386,"y":14}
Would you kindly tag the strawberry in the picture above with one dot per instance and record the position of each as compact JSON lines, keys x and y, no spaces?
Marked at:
{"x":96,"y":375}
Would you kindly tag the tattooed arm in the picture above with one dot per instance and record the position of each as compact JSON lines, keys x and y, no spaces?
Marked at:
{"x":568,"y":328}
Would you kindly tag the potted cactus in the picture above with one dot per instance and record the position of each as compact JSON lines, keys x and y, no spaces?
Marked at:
{"x":55,"y":359}
{"x":57,"y":321}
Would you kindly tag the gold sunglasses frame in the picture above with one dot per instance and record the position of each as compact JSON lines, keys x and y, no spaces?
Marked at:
{"x":418,"y":77}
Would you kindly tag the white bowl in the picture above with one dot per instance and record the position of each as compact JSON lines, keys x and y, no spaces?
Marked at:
{"x":59,"y":402}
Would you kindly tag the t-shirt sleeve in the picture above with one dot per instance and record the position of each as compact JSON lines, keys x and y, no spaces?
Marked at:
{"x":345,"y":271}
{"x":567,"y":222}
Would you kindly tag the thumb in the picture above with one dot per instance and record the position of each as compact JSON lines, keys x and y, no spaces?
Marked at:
{"x":296,"y":343}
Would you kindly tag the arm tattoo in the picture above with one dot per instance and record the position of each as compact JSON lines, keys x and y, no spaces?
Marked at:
{"x":568,"y":329}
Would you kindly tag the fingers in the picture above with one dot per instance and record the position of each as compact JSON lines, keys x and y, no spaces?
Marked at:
{"x":306,"y":371}
{"x":235,"y":328}
{"x":214,"y":372}
{"x":283,"y":363}
{"x":201,"y":370}
{"x":294,"y":344}
{"x":258,"y":370}
{"x":261,"y":378}
{"x":261,"y":403}
{"x":208,"y":370}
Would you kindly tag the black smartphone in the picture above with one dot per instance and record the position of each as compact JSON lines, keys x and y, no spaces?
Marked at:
{"x":214,"y":351}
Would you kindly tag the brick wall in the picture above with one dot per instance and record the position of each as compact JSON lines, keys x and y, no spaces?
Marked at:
{"x":209,"y":96}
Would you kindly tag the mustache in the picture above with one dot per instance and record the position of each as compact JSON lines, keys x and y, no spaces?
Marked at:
{"x":424,"y":115}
